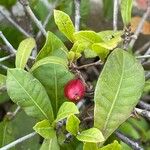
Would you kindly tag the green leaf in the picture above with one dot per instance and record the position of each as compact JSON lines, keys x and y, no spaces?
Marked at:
{"x":100,"y":51}
{"x":44,"y":129}
{"x":8,"y":3}
{"x":90,"y":146}
{"x":53,"y":47}
{"x":114,"y":146}
{"x":64,"y":24}
{"x":24,"y":51}
{"x":109,"y":34}
{"x":147,"y":86}
{"x":126,"y":10}
{"x":92,"y":135}
{"x":27,"y":92}
{"x":53,"y":73}
{"x":87,"y":36}
{"x":6,"y":135}
{"x":66,"y":109}
{"x":72,"y":124}
{"x":2,"y":80}
{"x":118,"y":90}
{"x":50,"y":144}
{"x":128,"y":129}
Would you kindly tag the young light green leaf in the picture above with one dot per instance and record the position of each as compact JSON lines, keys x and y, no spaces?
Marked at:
{"x":72,"y":124}
{"x":44,"y":129}
{"x":24,"y":51}
{"x":27,"y":92}
{"x":64,"y":24}
{"x":90,"y":146}
{"x":2,"y":80}
{"x":66,"y":109}
{"x":92,"y":135}
{"x":100,"y":51}
{"x":114,"y":146}
{"x":53,"y":47}
{"x":118,"y":90}
{"x":53,"y":73}
{"x":87,"y":36}
{"x":109,"y":34}
{"x":50,"y":144}
{"x":126,"y":10}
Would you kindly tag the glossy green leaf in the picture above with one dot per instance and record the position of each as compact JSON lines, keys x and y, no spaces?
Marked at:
{"x":92,"y":135}
{"x":24,"y":51}
{"x":66,"y":109}
{"x":53,"y":73}
{"x":27,"y":92}
{"x":44,"y":129}
{"x":90,"y":146}
{"x":114,"y":146}
{"x":72,"y":124}
{"x":64,"y":24}
{"x":53,"y":47}
{"x":118,"y":90}
{"x":87,"y":36}
{"x":126,"y":10}
{"x":50,"y":144}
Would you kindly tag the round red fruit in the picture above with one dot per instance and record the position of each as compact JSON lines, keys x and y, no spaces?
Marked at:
{"x":74,"y":90}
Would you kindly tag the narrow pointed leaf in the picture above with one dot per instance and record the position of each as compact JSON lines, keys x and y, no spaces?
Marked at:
{"x":24,"y":51}
{"x":44,"y":129}
{"x":118,"y":90}
{"x":53,"y":73}
{"x":64,"y":24}
{"x":66,"y":109}
{"x":92,"y":135}
{"x":126,"y":10}
{"x":27,"y":92}
{"x":53,"y":47}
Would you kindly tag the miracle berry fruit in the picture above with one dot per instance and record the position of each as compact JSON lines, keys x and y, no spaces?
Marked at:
{"x":74,"y":90}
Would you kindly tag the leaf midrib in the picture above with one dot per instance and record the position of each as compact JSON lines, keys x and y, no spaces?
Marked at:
{"x":30,"y":97}
{"x":26,"y":46}
{"x":116,"y":96}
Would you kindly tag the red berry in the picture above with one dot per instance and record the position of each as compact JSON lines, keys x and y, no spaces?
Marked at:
{"x":74,"y":90}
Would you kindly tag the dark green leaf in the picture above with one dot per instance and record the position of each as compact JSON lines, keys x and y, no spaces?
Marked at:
{"x":118,"y":90}
{"x":28,"y":92}
{"x":53,"y":73}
